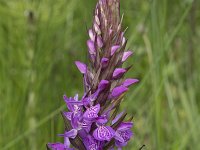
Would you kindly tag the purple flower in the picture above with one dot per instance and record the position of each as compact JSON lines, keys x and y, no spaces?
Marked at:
{"x":92,"y":112}
{"x":123,"y":134}
{"x":103,"y":133}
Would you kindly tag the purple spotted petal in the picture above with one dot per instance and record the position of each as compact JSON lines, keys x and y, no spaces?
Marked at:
{"x":56,"y":146}
{"x":126,"y":55}
{"x":81,"y":67}
{"x":123,"y":136}
{"x":117,"y":91}
{"x":91,"y":144}
{"x":92,"y":112}
{"x":91,"y":47}
{"x":118,"y":73}
{"x":129,"y":82}
{"x":103,"y":133}
{"x":104,"y":62}
{"x":114,"y":49}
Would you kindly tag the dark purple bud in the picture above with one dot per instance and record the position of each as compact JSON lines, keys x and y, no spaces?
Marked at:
{"x":104,"y":62}
{"x":114,"y":49}
{"x":126,"y":55}
{"x":103,"y":84}
{"x":129,"y":82}
{"x":118,"y":73}
{"x":81,"y":67}
{"x":117,"y":91}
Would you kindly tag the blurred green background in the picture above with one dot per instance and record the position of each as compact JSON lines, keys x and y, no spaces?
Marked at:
{"x":41,"y":39}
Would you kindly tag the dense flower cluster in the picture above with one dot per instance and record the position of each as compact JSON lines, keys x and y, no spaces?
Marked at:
{"x":93,"y":121}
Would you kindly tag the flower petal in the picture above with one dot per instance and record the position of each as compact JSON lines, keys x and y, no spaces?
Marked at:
{"x":104,"y":62}
{"x":92,"y":112}
{"x":68,"y":115}
{"x":117,"y":118}
{"x":117,"y":91}
{"x":101,"y":120}
{"x":56,"y":146}
{"x":118,"y":73}
{"x":66,"y":142}
{"x":102,"y":85}
{"x":103,"y":133}
{"x":86,"y":125}
{"x":125,"y":126}
{"x":70,"y":134}
{"x":129,"y":82}
{"x":81,"y":67}
{"x":90,"y":143}
{"x":114,"y":49}
{"x":99,"y":41}
{"x":126,"y":55}
{"x":91,"y":47}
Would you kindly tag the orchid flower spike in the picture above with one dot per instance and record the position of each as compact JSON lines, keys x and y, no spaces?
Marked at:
{"x":93,"y":122}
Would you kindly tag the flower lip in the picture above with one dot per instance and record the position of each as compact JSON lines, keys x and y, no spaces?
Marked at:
{"x":103,"y":133}
{"x":92,"y":112}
